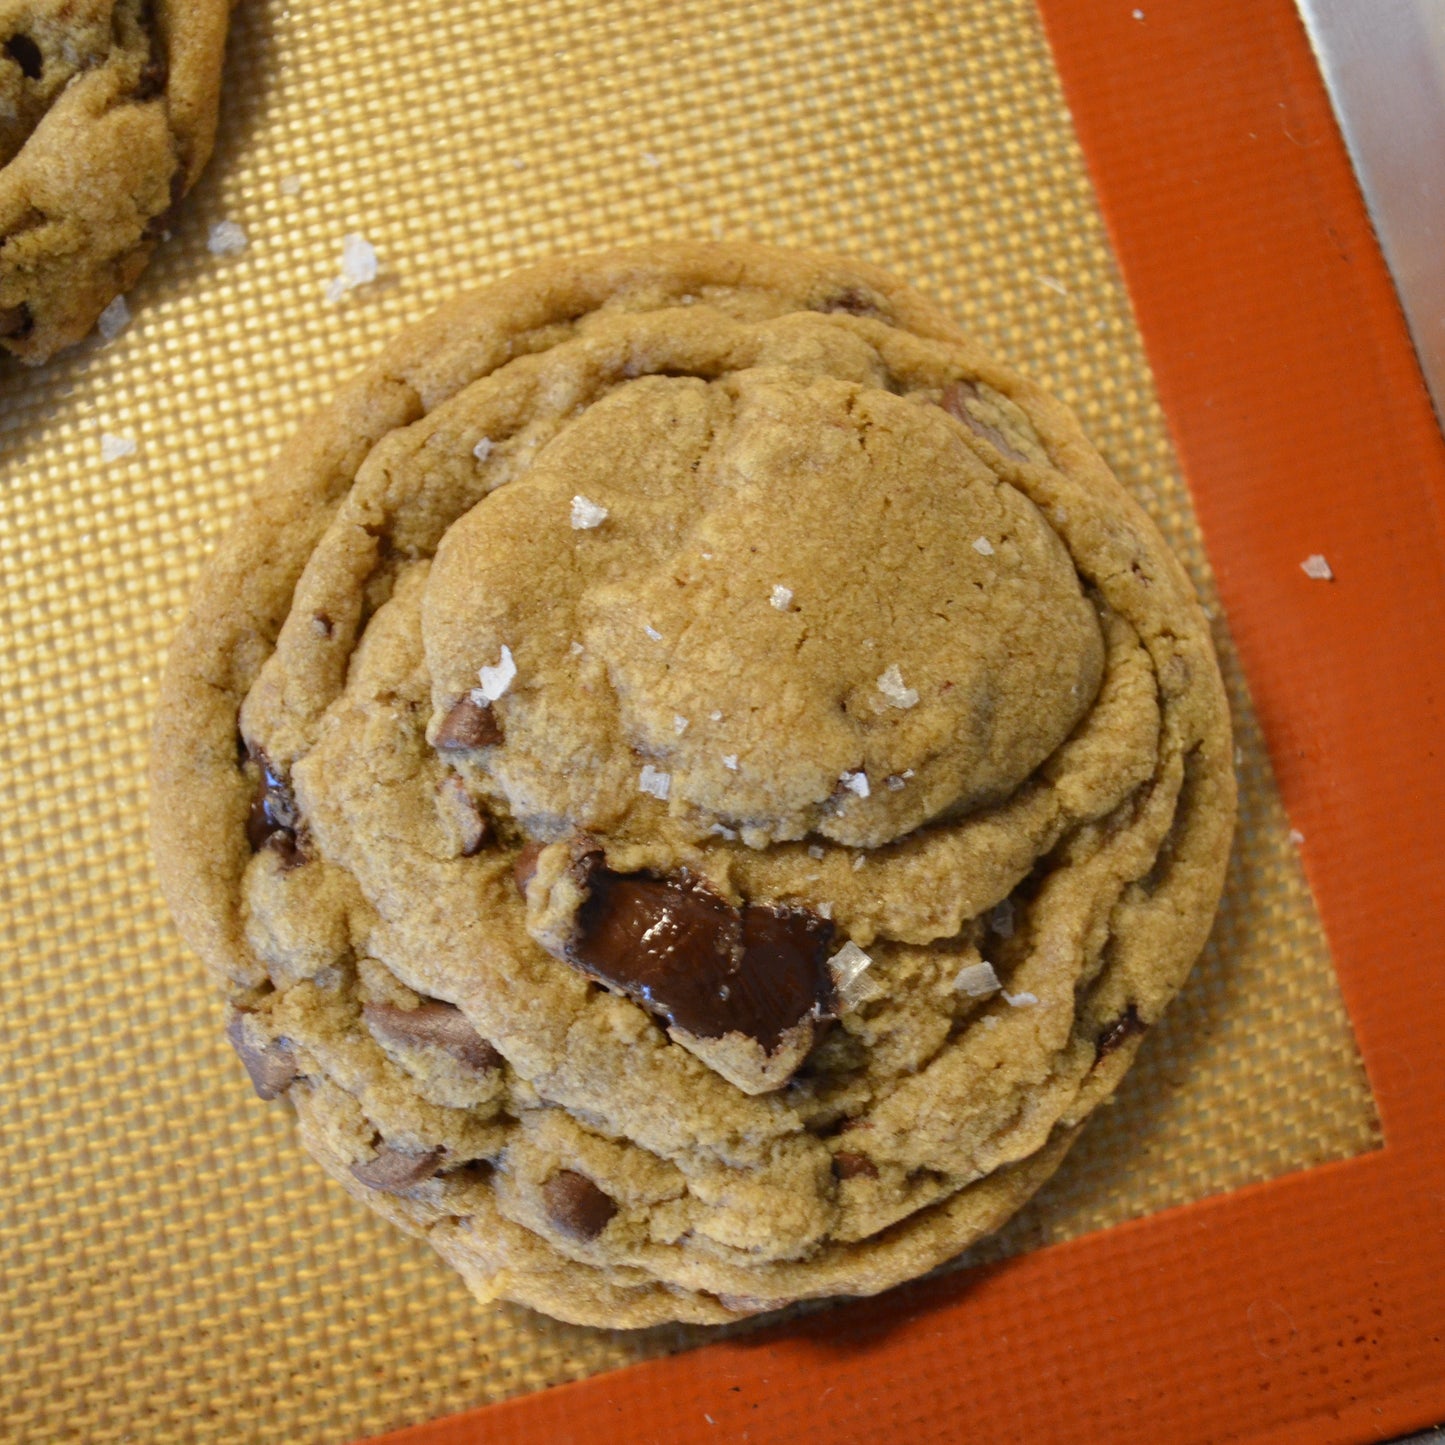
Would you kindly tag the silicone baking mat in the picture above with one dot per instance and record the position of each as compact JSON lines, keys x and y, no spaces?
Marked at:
{"x":174,"y":1269}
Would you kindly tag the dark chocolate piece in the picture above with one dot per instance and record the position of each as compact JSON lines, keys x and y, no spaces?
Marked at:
{"x":1127,"y":1024}
{"x":472,"y":824}
{"x":15,"y":320}
{"x":440,"y":1025}
{"x":525,"y":868}
{"x":27,"y":55}
{"x":955,"y":395}
{"x":468,"y":725}
{"x":854,"y":300}
{"x":576,"y":1206}
{"x":854,"y":1166}
{"x":683,"y":952}
{"x":394,"y":1171}
{"x":272,"y":1067}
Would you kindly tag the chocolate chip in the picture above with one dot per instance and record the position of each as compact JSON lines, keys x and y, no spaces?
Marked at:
{"x":576,"y":1206}
{"x":26,"y":54}
{"x":394,"y":1171}
{"x":272,"y":1066}
{"x":525,"y":868}
{"x":16,"y":320}
{"x":955,"y":395}
{"x":1125,"y":1026}
{"x":854,"y":300}
{"x":854,"y":1166}
{"x":273,"y":808}
{"x":152,"y":80}
{"x":468,"y":725}
{"x":437,"y":1024}
{"x":683,"y":952}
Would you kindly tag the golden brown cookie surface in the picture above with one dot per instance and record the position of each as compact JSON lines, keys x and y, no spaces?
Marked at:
{"x":107,"y":115}
{"x":727,"y":778}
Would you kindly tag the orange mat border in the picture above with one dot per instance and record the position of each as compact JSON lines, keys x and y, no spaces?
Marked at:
{"x":1312,"y":1308}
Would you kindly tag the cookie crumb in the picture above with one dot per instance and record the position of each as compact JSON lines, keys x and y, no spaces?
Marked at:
{"x":890,"y":684}
{"x":497,"y":679}
{"x":655,"y":781}
{"x":679,"y":724}
{"x":983,"y":547}
{"x":977,"y":980}
{"x":358,"y":266}
{"x":855,"y":782}
{"x":849,"y":967}
{"x":114,"y":319}
{"x":1316,"y":567}
{"x":730,"y":762}
{"x":587,"y":514}
{"x":113,"y":448}
{"x":782,"y":596}
{"x":226,"y":239}
{"x":483,"y":449}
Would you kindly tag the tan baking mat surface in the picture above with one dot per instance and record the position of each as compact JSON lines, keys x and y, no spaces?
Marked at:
{"x":172,"y":1268}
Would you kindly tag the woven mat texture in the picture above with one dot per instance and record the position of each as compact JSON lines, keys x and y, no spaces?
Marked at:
{"x":173,"y":1268}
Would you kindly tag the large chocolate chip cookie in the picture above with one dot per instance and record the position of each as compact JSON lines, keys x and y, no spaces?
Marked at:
{"x":107,"y":114}
{"x":695,"y":781}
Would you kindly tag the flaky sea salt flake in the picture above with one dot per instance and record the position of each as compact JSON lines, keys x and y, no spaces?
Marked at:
{"x":782,"y":596}
{"x":730,"y":762}
{"x":977,"y":980}
{"x":1001,"y":918}
{"x":890,"y":684}
{"x":358,"y":266}
{"x":483,"y":449}
{"x":855,"y":782}
{"x":723,"y":831}
{"x":815,"y":850}
{"x":497,"y":679}
{"x":113,"y":448}
{"x":1315,"y":566}
{"x":655,"y":781}
{"x":653,"y":633}
{"x":1020,"y":1000}
{"x":226,"y":239}
{"x":849,"y":967}
{"x":859,"y":861}
{"x":983,"y":546}
{"x":587,"y":514}
{"x":679,"y":724}
{"x":114,"y":319}
{"x":1296,"y":837}
{"x":574,"y":649}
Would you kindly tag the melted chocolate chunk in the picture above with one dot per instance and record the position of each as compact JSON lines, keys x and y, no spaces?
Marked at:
{"x":437,"y":1024}
{"x":272,"y":1067}
{"x":468,"y":725}
{"x":681,"y":951}
{"x":955,"y":395}
{"x":854,"y":1166}
{"x":394,"y":1171}
{"x":576,"y":1206}
{"x":1125,"y":1026}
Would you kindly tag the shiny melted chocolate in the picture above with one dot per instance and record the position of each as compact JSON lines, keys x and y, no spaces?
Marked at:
{"x":272,"y":821}
{"x":681,"y":951}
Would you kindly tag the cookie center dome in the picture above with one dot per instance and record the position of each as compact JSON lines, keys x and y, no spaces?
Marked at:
{"x":775,"y":603}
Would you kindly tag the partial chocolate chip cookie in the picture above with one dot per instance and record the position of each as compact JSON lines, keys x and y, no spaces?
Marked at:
{"x":695,"y":781}
{"x":107,"y":114}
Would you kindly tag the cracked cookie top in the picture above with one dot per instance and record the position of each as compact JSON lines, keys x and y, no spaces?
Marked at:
{"x":695,"y":781}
